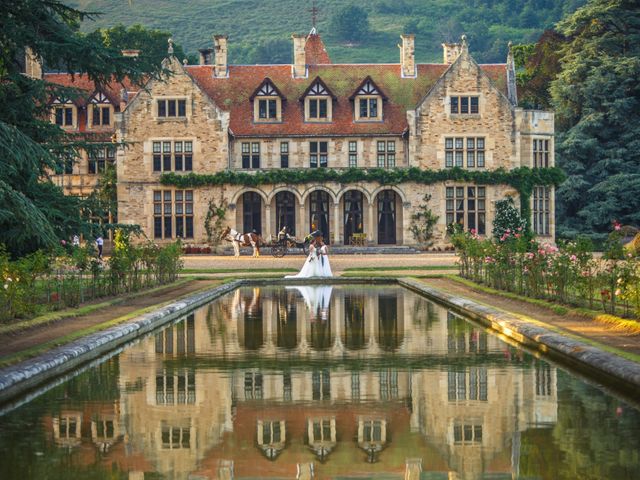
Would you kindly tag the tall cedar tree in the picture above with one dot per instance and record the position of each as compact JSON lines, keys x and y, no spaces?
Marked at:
{"x":34,"y":213}
{"x":597,"y":101}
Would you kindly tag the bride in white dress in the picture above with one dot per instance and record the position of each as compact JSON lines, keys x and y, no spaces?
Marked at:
{"x":317,"y":263}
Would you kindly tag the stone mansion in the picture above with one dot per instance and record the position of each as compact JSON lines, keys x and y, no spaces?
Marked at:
{"x":313,"y":114}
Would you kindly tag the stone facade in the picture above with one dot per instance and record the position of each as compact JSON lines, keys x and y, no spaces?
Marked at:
{"x":433,"y":116}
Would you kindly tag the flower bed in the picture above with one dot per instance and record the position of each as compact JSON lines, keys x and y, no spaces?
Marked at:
{"x":568,"y":273}
{"x":69,"y":276}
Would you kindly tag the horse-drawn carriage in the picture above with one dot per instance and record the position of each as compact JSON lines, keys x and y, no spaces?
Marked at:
{"x":285,"y":242}
{"x":279,"y":245}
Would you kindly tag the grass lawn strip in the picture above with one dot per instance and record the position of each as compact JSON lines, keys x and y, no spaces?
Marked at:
{"x":618,"y":324}
{"x":57,"y":315}
{"x":380,"y":269}
{"x":561,"y":331}
{"x":237,"y":270}
{"x":43,"y":347}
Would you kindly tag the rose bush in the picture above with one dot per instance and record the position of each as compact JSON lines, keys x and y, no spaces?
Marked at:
{"x":567,"y":273}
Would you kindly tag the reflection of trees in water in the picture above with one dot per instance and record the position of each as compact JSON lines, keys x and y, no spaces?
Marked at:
{"x":287,"y":320}
{"x":389,"y":335}
{"x":354,"y":323}
{"x":425,"y":313}
{"x":595,"y":437}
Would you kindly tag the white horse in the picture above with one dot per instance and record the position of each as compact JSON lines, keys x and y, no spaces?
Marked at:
{"x":242,"y":240}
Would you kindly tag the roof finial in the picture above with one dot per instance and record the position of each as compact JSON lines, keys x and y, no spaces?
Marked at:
{"x":464,"y":39}
{"x":170,"y":49}
{"x":314,"y":17}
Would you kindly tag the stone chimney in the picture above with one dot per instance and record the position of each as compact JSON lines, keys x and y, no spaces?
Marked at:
{"x":221,"y":69}
{"x":130,"y":53}
{"x":206,"y":54}
{"x":32,"y":65}
{"x":451,"y":51}
{"x":512,"y":91}
{"x":299,"y":67}
{"x":407,"y":56}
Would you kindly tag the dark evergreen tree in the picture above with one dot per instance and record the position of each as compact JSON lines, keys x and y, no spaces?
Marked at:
{"x":34,"y":213}
{"x":597,"y":101}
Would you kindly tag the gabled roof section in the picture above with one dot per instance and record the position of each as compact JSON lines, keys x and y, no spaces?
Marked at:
{"x":318,"y":87}
{"x":368,"y":87}
{"x":315,"y":51}
{"x":265,"y":89}
{"x":99,"y":97}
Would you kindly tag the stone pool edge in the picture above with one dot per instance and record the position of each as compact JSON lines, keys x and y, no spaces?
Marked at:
{"x":21,"y":377}
{"x":611,"y":369}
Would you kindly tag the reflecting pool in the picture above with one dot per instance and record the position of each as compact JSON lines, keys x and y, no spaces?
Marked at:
{"x":322,"y":382}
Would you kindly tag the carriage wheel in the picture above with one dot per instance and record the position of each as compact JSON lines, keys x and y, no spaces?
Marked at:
{"x":279,"y":250}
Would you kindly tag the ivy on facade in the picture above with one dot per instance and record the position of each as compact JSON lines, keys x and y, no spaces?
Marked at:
{"x":522,"y":179}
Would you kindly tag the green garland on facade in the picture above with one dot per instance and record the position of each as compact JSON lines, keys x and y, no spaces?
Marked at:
{"x":523,"y":179}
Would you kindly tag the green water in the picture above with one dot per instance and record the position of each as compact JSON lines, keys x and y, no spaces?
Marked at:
{"x":344,"y":382}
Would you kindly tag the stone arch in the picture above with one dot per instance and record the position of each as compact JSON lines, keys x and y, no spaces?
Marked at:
{"x":242,"y":191}
{"x":346,"y":188}
{"x":277,"y":190}
{"x":313,"y":188}
{"x":381,"y":188}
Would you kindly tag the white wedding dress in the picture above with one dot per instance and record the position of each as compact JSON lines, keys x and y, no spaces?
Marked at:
{"x":316,"y":265}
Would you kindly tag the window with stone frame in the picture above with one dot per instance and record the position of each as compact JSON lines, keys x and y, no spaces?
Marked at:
{"x":541,"y":210}
{"x":172,"y":107}
{"x":457,"y":148}
{"x":172,"y":214}
{"x":540,"y":153}
{"x":172,"y":155}
{"x":99,"y":158}
{"x":267,"y":109}
{"x":386,"y":153}
{"x":464,"y":105}
{"x":318,"y":154}
{"x":466,"y":206}
{"x":353,"y":154}
{"x":318,"y":108}
{"x":250,"y":153}
{"x":284,"y":154}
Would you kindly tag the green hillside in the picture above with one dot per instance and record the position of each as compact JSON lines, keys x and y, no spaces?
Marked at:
{"x":260,"y":30}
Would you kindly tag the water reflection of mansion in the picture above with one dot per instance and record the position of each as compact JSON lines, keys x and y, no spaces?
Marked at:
{"x":206,"y":398}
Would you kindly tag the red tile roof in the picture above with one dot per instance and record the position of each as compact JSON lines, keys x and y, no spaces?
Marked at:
{"x":233,"y":93}
{"x":315,"y":51}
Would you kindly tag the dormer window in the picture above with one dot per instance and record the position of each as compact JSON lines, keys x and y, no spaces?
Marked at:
{"x":368,"y":102}
{"x":100,"y":112}
{"x":318,"y":102}
{"x":64,"y":113}
{"x":267,"y":103}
